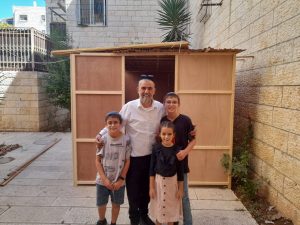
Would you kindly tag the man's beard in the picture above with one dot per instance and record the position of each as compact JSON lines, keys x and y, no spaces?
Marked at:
{"x":146,"y":100}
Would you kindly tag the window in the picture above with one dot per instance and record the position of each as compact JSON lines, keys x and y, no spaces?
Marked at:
{"x":23,"y":17}
{"x":43,"y":18}
{"x":92,"y":12}
{"x":59,"y":28}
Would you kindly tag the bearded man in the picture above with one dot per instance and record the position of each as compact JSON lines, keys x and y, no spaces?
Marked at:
{"x":141,"y":118}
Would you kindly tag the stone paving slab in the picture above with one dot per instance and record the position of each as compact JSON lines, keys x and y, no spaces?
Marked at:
{"x":36,"y":224}
{"x":44,"y":194}
{"x":21,"y":191}
{"x":217,"y":205}
{"x":81,"y":202}
{"x":90,"y":215}
{"x":39,"y":182}
{"x":32,"y":144}
{"x":65,"y":191}
{"x":18,"y":214}
{"x":214,"y":193}
{"x":3,"y":209}
{"x":75,"y":202}
{"x":221,"y":217}
{"x":27,"y":201}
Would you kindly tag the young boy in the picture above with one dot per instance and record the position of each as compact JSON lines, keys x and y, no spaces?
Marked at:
{"x":112,"y":163}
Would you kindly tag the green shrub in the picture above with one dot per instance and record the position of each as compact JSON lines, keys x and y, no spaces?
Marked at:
{"x":174,"y":18}
{"x":239,"y":168}
{"x":58,"y":80}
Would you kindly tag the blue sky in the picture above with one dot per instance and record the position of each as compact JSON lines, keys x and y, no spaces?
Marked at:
{"x":6,"y":6}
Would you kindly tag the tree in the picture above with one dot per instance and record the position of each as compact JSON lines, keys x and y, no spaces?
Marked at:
{"x":5,"y":25}
{"x":174,"y":17}
{"x":58,"y":80}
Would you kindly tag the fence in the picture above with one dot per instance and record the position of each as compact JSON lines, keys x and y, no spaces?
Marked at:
{"x":25,"y":49}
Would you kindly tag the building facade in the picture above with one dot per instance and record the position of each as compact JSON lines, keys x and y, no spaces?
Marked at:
{"x":30,"y":16}
{"x":267,"y":85}
{"x":98,"y":23}
{"x":267,"y":78}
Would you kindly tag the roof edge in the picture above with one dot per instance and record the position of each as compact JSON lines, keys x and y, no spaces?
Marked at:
{"x":170,"y":45}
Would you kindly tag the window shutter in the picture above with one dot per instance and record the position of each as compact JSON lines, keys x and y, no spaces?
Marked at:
{"x":83,"y":12}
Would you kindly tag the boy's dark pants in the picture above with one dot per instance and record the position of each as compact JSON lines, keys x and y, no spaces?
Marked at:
{"x":137,"y":185}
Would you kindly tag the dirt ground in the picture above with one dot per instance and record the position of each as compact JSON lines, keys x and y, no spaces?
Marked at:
{"x":264,"y":213}
{"x":7,"y":148}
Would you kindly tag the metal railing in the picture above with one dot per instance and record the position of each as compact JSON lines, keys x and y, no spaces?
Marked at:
{"x":25,"y":49}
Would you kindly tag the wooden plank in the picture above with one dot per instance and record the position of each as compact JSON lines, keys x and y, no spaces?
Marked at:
{"x":99,"y":92}
{"x":201,"y":147}
{"x":225,"y":92}
{"x":203,"y":183}
{"x":232,"y":112}
{"x":176,"y":75}
{"x":212,"y":72}
{"x":73,"y":117}
{"x":91,"y":111}
{"x":210,"y":113}
{"x":87,"y":182}
{"x":98,"y":73}
{"x":84,"y":140}
{"x":205,"y":83}
{"x":97,"y":89}
{"x":123,"y":80}
{"x":205,"y":166}
{"x":86,"y":156}
{"x":161,"y":53}
{"x":179,"y":44}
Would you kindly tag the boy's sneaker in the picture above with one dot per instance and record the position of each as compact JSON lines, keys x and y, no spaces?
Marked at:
{"x":101,"y":222}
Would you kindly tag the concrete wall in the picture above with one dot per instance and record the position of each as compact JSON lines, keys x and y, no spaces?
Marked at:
{"x":24,"y":105}
{"x":34,"y":16}
{"x":56,"y":15}
{"x":128,"y":22}
{"x":267,"y":86}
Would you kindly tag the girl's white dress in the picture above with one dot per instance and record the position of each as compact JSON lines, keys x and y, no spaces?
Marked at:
{"x":166,"y":168}
{"x":166,"y":207}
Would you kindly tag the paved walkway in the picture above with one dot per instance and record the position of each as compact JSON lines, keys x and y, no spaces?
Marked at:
{"x":43,"y":193}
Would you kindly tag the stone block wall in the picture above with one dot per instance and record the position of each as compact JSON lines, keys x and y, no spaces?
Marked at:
{"x":267,"y":86}
{"x":24,"y":105}
{"x":128,"y":22}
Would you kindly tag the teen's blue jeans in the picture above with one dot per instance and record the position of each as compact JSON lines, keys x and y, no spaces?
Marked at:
{"x":187,"y":214}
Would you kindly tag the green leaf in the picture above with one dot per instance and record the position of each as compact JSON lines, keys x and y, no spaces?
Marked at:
{"x":174,"y":17}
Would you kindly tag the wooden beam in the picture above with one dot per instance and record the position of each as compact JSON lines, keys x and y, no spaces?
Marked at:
{"x":179,"y":44}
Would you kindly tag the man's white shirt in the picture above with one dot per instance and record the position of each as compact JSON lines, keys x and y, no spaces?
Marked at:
{"x":141,"y":125}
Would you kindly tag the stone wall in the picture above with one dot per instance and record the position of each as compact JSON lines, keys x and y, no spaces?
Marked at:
{"x":128,"y":22}
{"x":24,"y":105}
{"x":267,"y":86}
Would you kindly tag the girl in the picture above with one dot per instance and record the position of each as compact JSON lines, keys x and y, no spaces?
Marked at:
{"x":166,"y":178}
{"x":183,"y":128}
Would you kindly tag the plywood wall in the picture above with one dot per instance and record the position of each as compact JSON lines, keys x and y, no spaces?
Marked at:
{"x":205,"y":84}
{"x":97,"y":88}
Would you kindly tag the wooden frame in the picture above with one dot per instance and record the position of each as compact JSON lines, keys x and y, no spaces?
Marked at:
{"x":83,"y":140}
{"x":212,"y":92}
{"x":199,"y":86}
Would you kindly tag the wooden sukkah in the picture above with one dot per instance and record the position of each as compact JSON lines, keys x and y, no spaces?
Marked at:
{"x":103,"y":79}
